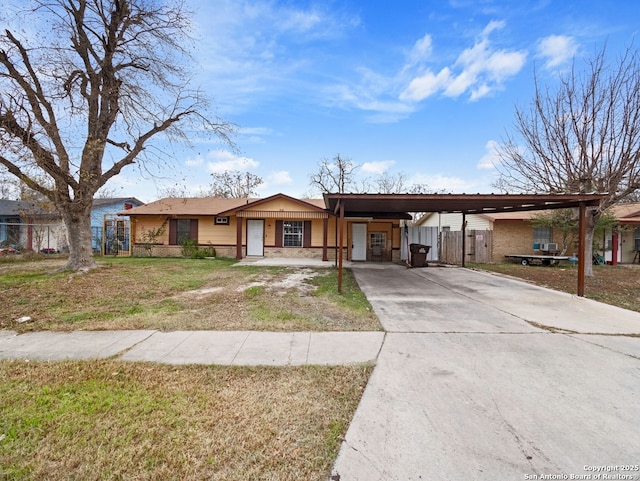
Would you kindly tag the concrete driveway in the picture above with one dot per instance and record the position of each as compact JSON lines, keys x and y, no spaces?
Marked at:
{"x":482,"y":377}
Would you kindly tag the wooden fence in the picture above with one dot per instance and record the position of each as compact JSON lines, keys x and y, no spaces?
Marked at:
{"x":478,"y":246}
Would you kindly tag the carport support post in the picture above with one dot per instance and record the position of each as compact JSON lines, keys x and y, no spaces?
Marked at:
{"x":464,"y":239}
{"x":582,"y":232}
{"x":239,"y":237}
{"x":340,"y":246}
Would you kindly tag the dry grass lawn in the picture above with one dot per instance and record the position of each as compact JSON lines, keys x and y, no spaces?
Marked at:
{"x":104,"y":420}
{"x":180,"y":294}
{"x":614,"y":285}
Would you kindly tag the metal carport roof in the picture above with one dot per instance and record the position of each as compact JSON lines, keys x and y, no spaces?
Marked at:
{"x":365,"y":204}
{"x":385,"y":205}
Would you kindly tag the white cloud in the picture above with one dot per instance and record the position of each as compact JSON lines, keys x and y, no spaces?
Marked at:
{"x":426,"y":85}
{"x":281,"y":177}
{"x":421,"y":50}
{"x":478,"y":71}
{"x":255,"y":135}
{"x":556,"y":50}
{"x":491,"y":158}
{"x":223,"y":160}
{"x":255,"y":131}
{"x":377,"y":168}
{"x":299,"y":21}
{"x":367,"y":98}
{"x":445,"y":183}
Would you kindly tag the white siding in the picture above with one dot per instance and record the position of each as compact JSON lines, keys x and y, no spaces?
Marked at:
{"x":454,"y":221}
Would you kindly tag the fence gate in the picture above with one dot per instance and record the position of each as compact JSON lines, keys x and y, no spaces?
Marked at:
{"x":478,"y":246}
{"x":115,"y":235}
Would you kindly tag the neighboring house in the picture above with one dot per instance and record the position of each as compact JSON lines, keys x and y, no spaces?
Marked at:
{"x":109,"y":230}
{"x":513,"y":232}
{"x":276,"y":226}
{"x":30,"y":226}
{"x":502,"y":232}
{"x":627,"y":238}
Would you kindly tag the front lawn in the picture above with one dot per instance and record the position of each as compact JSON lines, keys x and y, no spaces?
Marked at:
{"x":180,"y":294}
{"x":614,"y":285}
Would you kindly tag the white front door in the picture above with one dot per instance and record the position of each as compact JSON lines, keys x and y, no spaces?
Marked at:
{"x":358,"y":242}
{"x":255,"y":237}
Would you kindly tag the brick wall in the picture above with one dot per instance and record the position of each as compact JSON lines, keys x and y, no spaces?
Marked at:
{"x":511,"y":238}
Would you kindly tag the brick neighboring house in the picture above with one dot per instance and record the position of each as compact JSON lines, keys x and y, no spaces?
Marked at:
{"x":513,"y":232}
{"x":275,"y":226}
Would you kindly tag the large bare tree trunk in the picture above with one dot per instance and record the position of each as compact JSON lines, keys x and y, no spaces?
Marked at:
{"x":591,"y":220}
{"x":77,"y":219}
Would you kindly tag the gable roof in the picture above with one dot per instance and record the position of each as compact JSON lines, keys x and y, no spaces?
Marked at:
{"x":310,"y":204}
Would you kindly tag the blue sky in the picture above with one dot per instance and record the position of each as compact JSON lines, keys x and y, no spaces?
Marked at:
{"x":423,"y":88}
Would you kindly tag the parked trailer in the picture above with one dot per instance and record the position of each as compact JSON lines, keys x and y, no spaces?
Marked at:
{"x":545,"y":260}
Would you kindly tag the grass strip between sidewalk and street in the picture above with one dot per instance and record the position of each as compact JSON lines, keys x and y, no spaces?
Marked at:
{"x":99,"y":420}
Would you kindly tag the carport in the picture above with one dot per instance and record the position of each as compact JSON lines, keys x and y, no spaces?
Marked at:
{"x":383,"y":205}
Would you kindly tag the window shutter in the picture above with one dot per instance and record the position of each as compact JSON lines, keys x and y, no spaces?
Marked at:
{"x":306,"y":233}
{"x":173,"y":232}
{"x":193,"y":230}
{"x":279,"y":233}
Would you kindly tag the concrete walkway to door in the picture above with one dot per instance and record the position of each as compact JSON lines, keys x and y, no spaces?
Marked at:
{"x":483,"y":377}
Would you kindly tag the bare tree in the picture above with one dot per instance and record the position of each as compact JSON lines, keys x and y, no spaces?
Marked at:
{"x":335,"y":176}
{"x":233,"y":184}
{"x":9,"y":187}
{"x":183,"y":190}
{"x":390,"y":183}
{"x":583,"y":137}
{"x":87,"y":101}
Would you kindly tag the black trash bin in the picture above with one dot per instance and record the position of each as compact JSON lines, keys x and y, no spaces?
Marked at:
{"x":419,"y":255}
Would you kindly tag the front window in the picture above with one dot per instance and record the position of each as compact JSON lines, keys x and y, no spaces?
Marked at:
{"x":377,"y":239}
{"x":542,"y":235}
{"x":183,"y":230}
{"x":292,"y":233}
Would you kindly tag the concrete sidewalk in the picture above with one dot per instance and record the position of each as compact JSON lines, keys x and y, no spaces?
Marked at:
{"x":233,"y":348}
